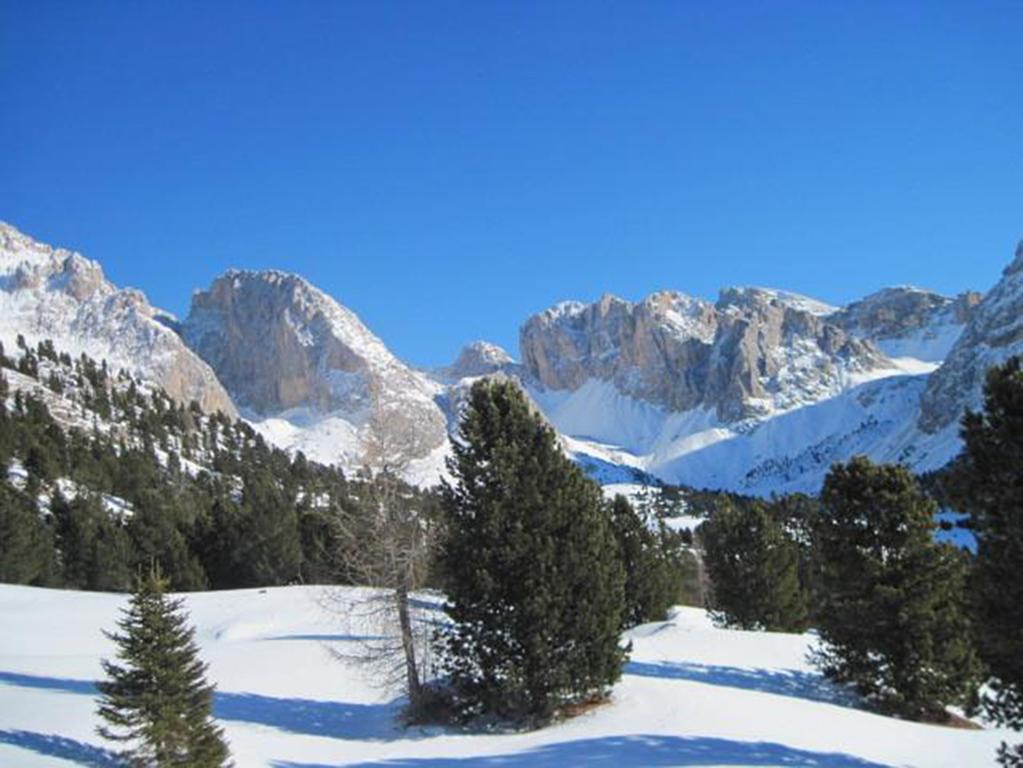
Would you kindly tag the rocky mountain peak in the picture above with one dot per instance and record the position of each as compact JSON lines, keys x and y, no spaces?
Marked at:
{"x":992,"y":334}
{"x":286,"y":349}
{"x":1017,"y":262}
{"x":479,"y":358}
{"x":57,"y":294}
{"x":905,"y":321}
{"x":753,"y":352}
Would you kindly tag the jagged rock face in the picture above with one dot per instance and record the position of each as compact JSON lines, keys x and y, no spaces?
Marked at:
{"x":60,"y":295}
{"x":993,"y":334}
{"x":907,"y":321}
{"x":279,"y":344}
{"x":479,"y":358}
{"x":753,"y":352}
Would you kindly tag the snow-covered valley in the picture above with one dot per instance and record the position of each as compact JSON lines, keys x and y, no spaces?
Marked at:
{"x":691,"y":695}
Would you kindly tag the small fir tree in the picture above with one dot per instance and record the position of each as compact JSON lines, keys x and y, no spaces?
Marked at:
{"x":753,"y":569}
{"x":892,"y":614}
{"x":989,"y":485}
{"x":157,"y":700}
{"x":530,"y":567}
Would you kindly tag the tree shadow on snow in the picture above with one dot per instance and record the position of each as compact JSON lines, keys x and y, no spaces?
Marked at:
{"x":781,"y":682}
{"x":326,"y":638}
{"x":616,"y":751}
{"x":51,"y":745}
{"x":310,"y":717}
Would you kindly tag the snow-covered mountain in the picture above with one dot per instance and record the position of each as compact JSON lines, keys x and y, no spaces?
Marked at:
{"x":310,"y":376}
{"x":907,"y":322}
{"x":52,"y":293}
{"x":993,"y":334}
{"x":752,"y":354}
{"x":758,"y":392}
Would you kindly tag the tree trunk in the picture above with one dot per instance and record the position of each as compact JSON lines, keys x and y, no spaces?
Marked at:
{"x":408,"y":644}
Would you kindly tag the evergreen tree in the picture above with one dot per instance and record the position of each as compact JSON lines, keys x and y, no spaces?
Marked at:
{"x":530,"y":566}
{"x":753,"y":569}
{"x":26,"y":542}
{"x":988,"y":483}
{"x":157,"y":700}
{"x":652,"y":578}
{"x":96,"y":552}
{"x":892,"y":615}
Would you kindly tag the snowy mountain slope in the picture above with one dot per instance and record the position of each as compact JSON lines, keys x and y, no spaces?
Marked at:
{"x":791,"y":451}
{"x":48,"y":293}
{"x":308,"y":373}
{"x":285,"y":702}
{"x":993,"y":334}
{"x":907,"y":322}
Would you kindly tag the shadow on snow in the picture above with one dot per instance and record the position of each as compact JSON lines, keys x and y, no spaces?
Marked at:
{"x":51,"y":745}
{"x":793,"y":683}
{"x":616,"y":751}
{"x":337,"y":719}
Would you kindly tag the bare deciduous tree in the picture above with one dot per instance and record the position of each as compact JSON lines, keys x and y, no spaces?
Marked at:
{"x":386,"y":547}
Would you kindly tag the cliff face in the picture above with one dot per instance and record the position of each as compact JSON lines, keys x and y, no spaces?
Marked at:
{"x":280,"y":345}
{"x":909,"y":322}
{"x":53,"y":293}
{"x":752,"y":353}
{"x":993,"y":333}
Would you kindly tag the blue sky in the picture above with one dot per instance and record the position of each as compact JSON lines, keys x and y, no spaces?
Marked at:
{"x":446,"y":169}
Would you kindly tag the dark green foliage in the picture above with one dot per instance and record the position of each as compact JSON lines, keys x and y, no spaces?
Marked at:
{"x":26,"y":542}
{"x":988,"y":483}
{"x":96,"y":552}
{"x":156,"y":698}
{"x":753,"y":569}
{"x":892,"y":617}
{"x":530,"y":566}
{"x":653,"y":571}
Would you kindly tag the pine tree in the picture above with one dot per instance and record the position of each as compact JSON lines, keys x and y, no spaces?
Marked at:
{"x":892,"y":614}
{"x":157,"y":700}
{"x":530,"y":567}
{"x":753,"y":569}
{"x":989,"y":485}
{"x":26,"y":542}
{"x":652,"y":579}
{"x":96,"y":552}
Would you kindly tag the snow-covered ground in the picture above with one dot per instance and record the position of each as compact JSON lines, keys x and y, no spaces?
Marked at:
{"x":692,"y":695}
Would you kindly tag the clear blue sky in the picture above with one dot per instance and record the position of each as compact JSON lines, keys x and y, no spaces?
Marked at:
{"x":446,"y":169}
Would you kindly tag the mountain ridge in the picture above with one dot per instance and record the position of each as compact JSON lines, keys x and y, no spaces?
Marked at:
{"x":756,"y":391}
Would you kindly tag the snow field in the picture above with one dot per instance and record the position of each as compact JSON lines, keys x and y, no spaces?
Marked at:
{"x":692,"y":694}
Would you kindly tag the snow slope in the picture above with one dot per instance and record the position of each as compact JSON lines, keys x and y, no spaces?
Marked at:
{"x":792,"y":451}
{"x":692,"y":695}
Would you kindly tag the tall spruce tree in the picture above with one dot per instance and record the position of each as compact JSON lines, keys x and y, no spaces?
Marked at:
{"x":753,"y":569}
{"x":892,"y":614}
{"x":988,"y":483}
{"x":157,"y":700}
{"x":531,"y":568}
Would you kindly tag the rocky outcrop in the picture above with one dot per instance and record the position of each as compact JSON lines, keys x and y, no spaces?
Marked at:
{"x":53,"y":293}
{"x":909,"y":322}
{"x":480,"y":358}
{"x":752,"y":353}
{"x":993,"y":334}
{"x":280,"y":345}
